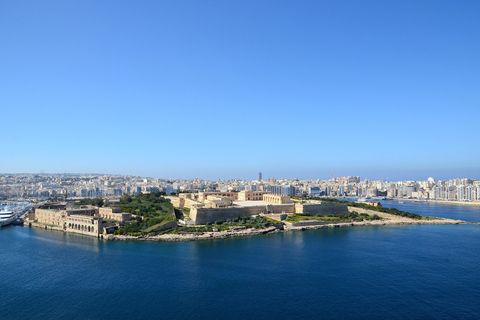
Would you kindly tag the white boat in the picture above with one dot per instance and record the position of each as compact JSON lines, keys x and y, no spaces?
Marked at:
{"x":364,"y":199}
{"x":7,"y":217}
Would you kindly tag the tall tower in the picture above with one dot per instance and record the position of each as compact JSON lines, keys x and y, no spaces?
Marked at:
{"x":259,"y":176}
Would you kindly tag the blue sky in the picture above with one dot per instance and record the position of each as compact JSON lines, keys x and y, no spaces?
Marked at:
{"x":225,"y":89}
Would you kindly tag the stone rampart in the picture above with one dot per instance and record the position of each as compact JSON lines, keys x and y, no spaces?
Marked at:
{"x":204,"y":215}
{"x":190,"y":203}
{"x":322,"y":208}
{"x":176,"y":201}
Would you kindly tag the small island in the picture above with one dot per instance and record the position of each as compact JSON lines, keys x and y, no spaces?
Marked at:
{"x":155,"y":216}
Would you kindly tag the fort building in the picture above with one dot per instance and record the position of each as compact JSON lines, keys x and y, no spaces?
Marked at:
{"x":208,"y":207}
{"x":114,"y":214}
{"x":202,"y":196}
{"x":56,"y":217}
{"x":218,"y":202}
{"x":84,"y":224}
{"x":247,"y":195}
{"x":277,"y":199}
{"x":85,"y":220}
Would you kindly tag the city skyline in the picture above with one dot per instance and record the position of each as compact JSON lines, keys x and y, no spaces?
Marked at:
{"x":226,"y":90}
{"x":255,"y":175}
{"x":64,"y":186}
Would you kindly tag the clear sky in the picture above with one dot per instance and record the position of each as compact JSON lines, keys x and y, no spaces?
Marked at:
{"x":225,"y":89}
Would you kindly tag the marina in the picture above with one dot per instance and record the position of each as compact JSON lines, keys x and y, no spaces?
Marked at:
{"x":13,"y":213}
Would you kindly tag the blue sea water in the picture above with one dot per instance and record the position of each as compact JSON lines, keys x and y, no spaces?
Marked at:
{"x":369,"y":272}
{"x":465,"y":212}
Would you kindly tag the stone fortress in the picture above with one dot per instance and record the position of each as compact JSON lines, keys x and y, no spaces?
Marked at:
{"x":86,"y":220}
{"x":204,"y":207}
{"x":208,"y":207}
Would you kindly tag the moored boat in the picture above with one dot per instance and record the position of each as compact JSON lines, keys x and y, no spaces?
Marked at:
{"x":7,"y":217}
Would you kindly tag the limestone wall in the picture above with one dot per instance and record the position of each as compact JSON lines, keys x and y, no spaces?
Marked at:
{"x":50,"y":216}
{"x":322,"y":209}
{"x":176,"y":201}
{"x":277,"y":199}
{"x":189,"y":203}
{"x":247,"y":195}
{"x":114,"y":214}
{"x":202,"y":196}
{"x":84,"y":224}
{"x":204,"y":215}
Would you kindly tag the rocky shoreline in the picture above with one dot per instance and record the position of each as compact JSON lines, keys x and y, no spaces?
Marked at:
{"x":195,"y":237}
{"x":380,"y":223}
{"x":289,"y":227}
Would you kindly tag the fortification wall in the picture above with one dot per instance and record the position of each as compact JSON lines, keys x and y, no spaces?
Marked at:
{"x":204,"y":215}
{"x":322,"y":208}
{"x":189,"y":203}
{"x":176,"y":201}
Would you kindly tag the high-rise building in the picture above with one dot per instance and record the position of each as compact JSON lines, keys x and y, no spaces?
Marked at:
{"x":259,"y":176}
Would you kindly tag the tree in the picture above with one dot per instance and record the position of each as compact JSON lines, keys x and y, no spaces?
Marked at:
{"x":98,"y":202}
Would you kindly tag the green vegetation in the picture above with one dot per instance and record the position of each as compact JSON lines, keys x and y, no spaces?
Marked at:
{"x":99,"y":202}
{"x":353,"y":216}
{"x":155,"y":226}
{"x":259,"y":222}
{"x":273,"y":220}
{"x":151,"y":211}
{"x":367,"y":206}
